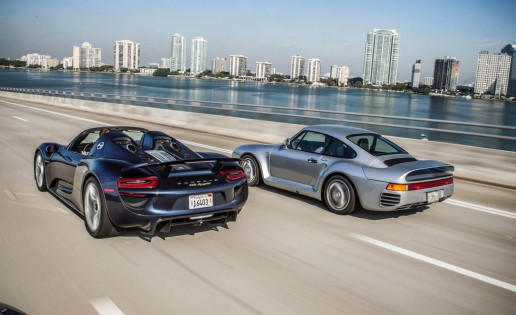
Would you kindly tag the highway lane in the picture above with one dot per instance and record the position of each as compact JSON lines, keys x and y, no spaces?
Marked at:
{"x":284,"y":255}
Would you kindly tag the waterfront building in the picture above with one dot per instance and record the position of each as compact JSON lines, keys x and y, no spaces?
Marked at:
{"x":314,"y":70}
{"x":164,"y":63}
{"x":263,"y":69}
{"x":86,"y":56}
{"x":492,"y":73}
{"x":49,"y":62}
{"x":446,"y":74}
{"x":198,"y":60}
{"x":416,"y":73}
{"x":511,"y":85}
{"x":237,"y":65}
{"x":178,"y":56}
{"x":35,"y":59}
{"x":126,"y":55}
{"x":67,"y":62}
{"x":428,"y":81}
{"x":334,"y":72}
{"x":297,"y":67}
{"x":147,"y":71}
{"x":218,"y":64}
{"x":381,"y":57}
{"x":343,"y":76}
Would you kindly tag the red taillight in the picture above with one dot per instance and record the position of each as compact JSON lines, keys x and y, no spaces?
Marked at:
{"x":431,"y":184}
{"x":232,"y":174}
{"x":138,"y":182}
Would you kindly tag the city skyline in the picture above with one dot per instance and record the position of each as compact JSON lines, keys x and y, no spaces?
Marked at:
{"x":333,"y":31}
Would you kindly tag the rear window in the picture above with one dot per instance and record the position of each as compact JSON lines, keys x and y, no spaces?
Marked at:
{"x":376,"y":145}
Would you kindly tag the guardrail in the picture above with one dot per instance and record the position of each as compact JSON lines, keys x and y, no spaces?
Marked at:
{"x":295,"y":115}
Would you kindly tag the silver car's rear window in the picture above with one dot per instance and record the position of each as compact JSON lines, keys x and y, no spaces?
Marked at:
{"x":375,"y":144}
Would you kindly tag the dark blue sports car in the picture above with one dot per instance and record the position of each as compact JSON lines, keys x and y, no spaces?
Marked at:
{"x":127,"y":177}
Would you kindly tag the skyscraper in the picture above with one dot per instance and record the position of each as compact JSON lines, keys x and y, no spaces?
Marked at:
{"x":343,"y":76}
{"x":198,"y":61}
{"x":334,"y":72}
{"x":237,"y":65}
{"x":297,"y":67}
{"x":178,"y":56}
{"x":511,"y":86}
{"x":263,"y":69}
{"x":446,"y":73}
{"x":126,"y":55}
{"x":218,"y":64}
{"x":492,"y":73}
{"x":314,"y":70}
{"x":416,"y":73}
{"x":86,"y":56}
{"x":381,"y":57}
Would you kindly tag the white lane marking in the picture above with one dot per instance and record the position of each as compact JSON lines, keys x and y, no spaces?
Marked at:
{"x":207,"y":146}
{"x":10,"y":195}
{"x":24,"y":120}
{"x":56,"y":113}
{"x":104,"y":306}
{"x":489,"y":210}
{"x":436,"y":262}
{"x":61,"y":210}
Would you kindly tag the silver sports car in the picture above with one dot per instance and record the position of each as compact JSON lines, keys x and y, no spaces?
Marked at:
{"x":346,"y":167}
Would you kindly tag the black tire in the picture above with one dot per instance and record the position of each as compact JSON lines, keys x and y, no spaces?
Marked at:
{"x":339,"y":195}
{"x":96,"y":218}
{"x":252,"y":170}
{"x":39,"y":172}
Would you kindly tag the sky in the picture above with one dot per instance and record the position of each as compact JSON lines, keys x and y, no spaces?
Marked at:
{"x":264,"y":30}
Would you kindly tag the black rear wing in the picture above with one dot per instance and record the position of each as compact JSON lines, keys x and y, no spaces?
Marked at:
{"x":217,"y":164}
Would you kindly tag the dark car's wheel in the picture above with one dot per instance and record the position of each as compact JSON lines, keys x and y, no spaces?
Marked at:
{"x":96,"y":218}
{"x":339,"y":195}
{"x":251,"y":170}
{"x":39,"y":172}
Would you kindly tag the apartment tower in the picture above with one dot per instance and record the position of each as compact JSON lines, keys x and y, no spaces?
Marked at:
{"x":381,"y":57}
{"x":297,"y":67}
{"x":446,"y":74}
{"x":492,"y":73}
{"x":198,"y":61}
{"x":178,"y":56}
{"x":126,"y":55}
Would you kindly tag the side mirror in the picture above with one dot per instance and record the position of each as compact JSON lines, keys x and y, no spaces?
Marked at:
{"x":287,"y":143}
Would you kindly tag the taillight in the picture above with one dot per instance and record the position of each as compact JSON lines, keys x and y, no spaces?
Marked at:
{"x":232,"y":174}
{"x":419,"y":186}
{"x":138,"y":182}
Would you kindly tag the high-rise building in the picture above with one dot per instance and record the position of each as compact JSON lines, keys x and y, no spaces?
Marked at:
{"x":67,"y":62}
{"x":492,"y":73}
{"x":511,"y":86}
{"x":178,"y":56}
{"x":218,"y":64}
{"x":297,"y":67}
{"x":164,"y":63}
{"x":314,"y":70}
{"x":126,"y":55}
{"x":446,"y":74}
{"x":237,"y":65}
{"x":263,"y":69}
{"x":416,"y":73}
{"x":343,"y":76}
{"x":35,"y":59}
{"x":198,"y":61}
{"x":86,"y":56}
{"x":381,"y":57}
{"x":334,"y":72}
{"x":428,"y":81}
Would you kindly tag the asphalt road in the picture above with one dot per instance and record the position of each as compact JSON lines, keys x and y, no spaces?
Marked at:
{"x":285,"y":255}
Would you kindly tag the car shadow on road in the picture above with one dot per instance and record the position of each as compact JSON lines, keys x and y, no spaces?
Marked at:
{"x":176,"y":231}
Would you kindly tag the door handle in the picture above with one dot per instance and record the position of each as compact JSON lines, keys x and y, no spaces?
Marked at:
{"x":311,"y":160}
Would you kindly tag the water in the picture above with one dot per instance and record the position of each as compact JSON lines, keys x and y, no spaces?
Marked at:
{"x":288,"y":96}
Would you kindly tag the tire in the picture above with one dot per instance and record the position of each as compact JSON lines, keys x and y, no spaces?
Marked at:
{"x":252,"y":170}
{"x":39,"y":172}
{"x":96,"y":218}
{"x":339,"y":195}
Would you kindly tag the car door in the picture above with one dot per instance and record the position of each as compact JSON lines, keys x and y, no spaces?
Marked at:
{"x":300,"y":161}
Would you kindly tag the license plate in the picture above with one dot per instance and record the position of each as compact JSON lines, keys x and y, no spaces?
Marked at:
{"x":434,"y":196}
{"x":200,"y":201}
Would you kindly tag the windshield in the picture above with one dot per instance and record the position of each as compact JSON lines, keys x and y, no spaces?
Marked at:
{"x":376,"y":145}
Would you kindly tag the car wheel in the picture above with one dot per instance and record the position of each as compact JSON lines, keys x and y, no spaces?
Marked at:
{"x":96,"y":218}
{"x":339,"y":195}
{"x":39,"y":172}
{"x":251,"y":170}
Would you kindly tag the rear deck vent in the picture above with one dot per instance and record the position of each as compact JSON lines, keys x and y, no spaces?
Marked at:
{"x":389,"y":200}
{"x":399,"y":161}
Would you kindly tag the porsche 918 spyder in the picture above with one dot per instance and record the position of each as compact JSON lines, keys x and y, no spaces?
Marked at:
{"x":345,"y":167}
{"x":127,"y":177}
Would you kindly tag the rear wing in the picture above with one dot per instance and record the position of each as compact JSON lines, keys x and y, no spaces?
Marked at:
{"x":168,"y":166}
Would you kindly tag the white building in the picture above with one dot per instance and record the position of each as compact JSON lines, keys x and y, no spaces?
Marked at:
{"x":297,"y":67}
{"x":178,"y":56}
{"x":67,"y":62}
{"x":429,"y":81}
{"x":314,"y":70}
{"x":86,"y":56}
{"x":218,"y":64}
{"x":49,"y":62}
{"x":334,"y":72}
{"x":492,"y":73}
{"x":147,"y":71}
{"x":35,"y":59}
{"x":164,"y":63}
{"x":381,"y":57}
{"x":343,"y":76}
{"x":263,"y":69}
{"x":416,"y":73}
{"x":237,"y":65}
{"x":126,"y":55}
{"x":198,"y":61}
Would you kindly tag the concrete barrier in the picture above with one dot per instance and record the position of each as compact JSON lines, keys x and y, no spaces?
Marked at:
{"x":489,"y":166}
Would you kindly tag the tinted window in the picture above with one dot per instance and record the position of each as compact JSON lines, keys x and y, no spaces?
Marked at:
{"x":339,"y":149}
{"x":311,"y":142}
{"x":376,"y":144}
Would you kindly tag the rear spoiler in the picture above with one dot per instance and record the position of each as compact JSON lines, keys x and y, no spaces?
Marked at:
{"x":218,"y":163}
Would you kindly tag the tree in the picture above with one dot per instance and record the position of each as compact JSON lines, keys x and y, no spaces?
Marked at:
{"x":163,"y":72}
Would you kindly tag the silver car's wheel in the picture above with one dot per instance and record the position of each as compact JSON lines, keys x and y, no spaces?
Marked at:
{"x":39,"y":172}
{"x":251,"y":170}
{"x":96,"y":218}
{"x":339,"y":195}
